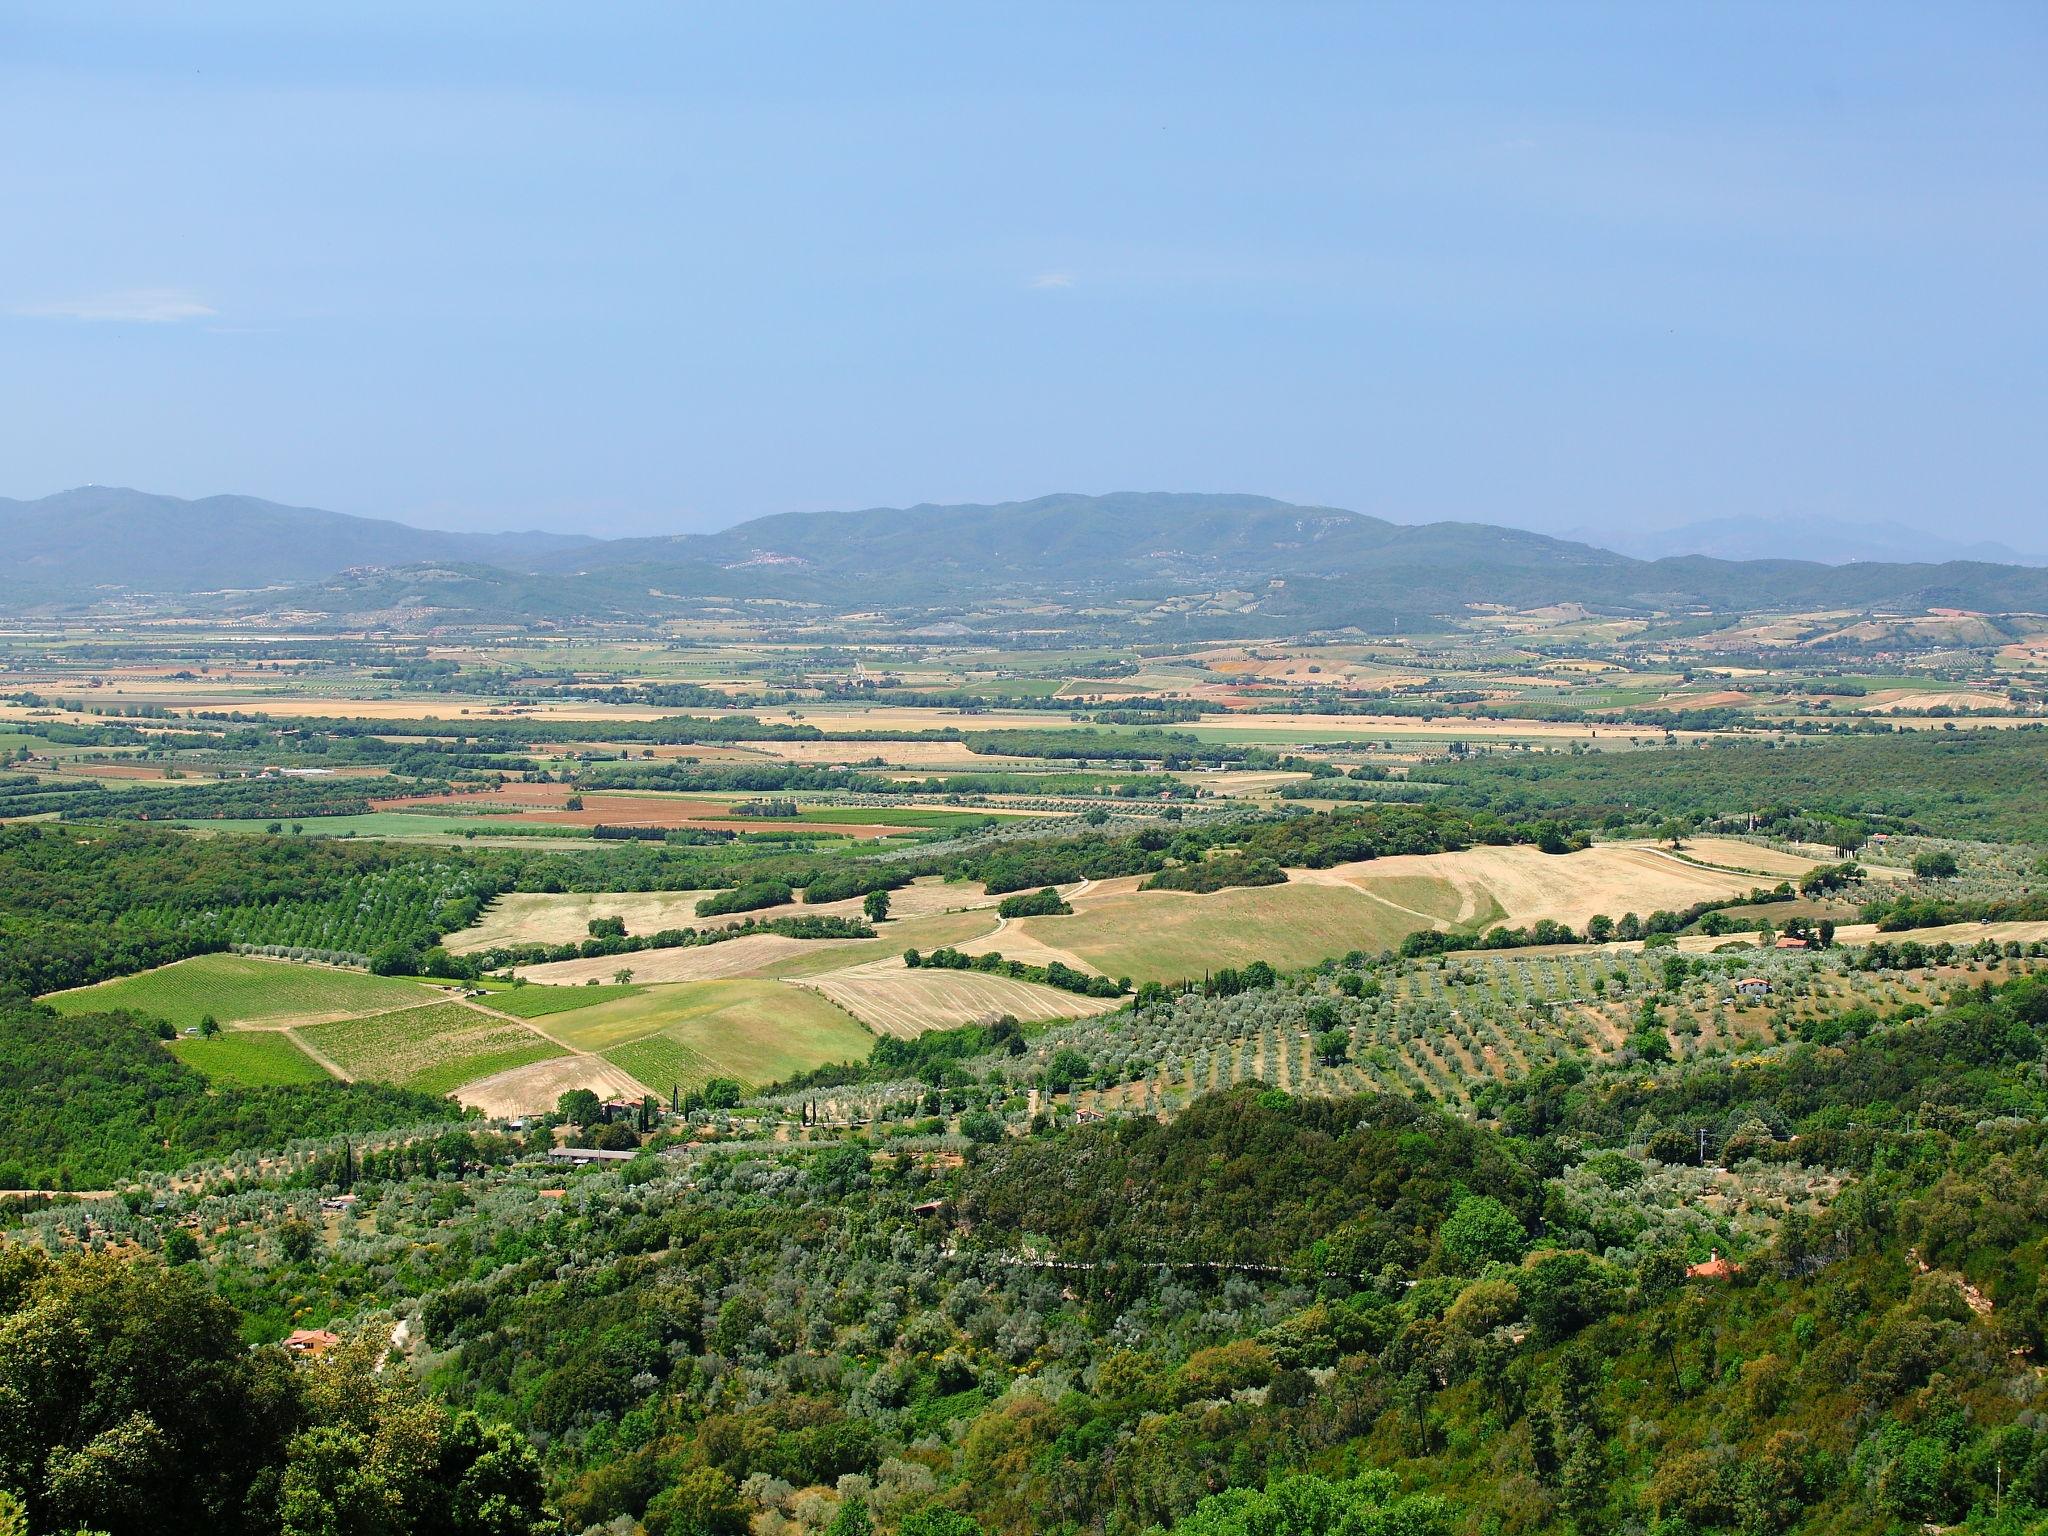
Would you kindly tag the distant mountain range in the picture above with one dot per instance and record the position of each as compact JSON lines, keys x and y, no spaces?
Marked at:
{"x":1827,"y":540}
{"x":107,"y":536}
{"x":1207,"y":564}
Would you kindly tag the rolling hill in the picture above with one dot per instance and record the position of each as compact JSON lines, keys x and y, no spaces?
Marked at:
{"x":1203,"y":564}
{"x":101,"y":536}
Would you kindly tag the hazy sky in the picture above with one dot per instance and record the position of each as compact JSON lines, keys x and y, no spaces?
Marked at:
{"x":625,"y":268}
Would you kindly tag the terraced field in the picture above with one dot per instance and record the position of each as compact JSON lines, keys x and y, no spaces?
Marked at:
{"x":435,"y":1049}
{"x":244,"y":989}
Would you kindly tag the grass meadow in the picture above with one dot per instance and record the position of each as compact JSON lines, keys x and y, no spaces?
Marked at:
{"x":243,"y":989}
{"x":756,"y":1031}
{"x":1169,"y":935}
{"x":250,"y":1058}
{"x":542,"y":1002}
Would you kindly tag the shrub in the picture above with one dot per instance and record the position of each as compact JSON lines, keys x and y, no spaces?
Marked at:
{"x":1479,"y":1232}
{"x":1040,"y":903}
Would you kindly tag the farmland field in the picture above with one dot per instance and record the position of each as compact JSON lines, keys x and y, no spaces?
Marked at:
{"x":892,"y":938}
{"x":400,"y":825}
{"x":244,"y":989}
{"x":1169,"y":935}
{"x":755,"y":1031}
{"x":540,"y":1002}
{"x":548,"y":805}
{"x":697,"y":962}
{"x":250,"y":1058}
{"x":564,"y":917}
{"x":895,"y":1000}
{"x":1166,"y":935}
{"x":663,"y":1061}
{"x":538,"y":1085}
{"x":434,"y":1049}
{"x":1527,"y":885}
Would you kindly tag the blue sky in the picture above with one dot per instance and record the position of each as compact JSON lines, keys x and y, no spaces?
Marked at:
{"x":633,"y":269}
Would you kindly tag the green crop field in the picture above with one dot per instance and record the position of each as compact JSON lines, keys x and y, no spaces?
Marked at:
{"x":663,"y":1063}
{"x":1170,"y":935}
{"x":539,"y":1002}
{"x":243,"y":989}
{"x":890,"y":816}
{"x":250,"y":1058}
{"x":756,"y":1031}
{"x":385,"y":824}
{"x":435,"y":1049}
{"x":1424,"y":893}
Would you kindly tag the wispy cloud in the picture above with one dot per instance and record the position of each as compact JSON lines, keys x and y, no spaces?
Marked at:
{"x":1053,"y":280}
{"x":142,"y":306}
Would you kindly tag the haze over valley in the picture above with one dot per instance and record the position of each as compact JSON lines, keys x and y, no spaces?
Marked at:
{"x":1023,"y":771}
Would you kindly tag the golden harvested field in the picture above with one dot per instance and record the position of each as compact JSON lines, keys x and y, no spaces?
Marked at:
{"x":892,"y":999}
{"x":1013,"y":941}
{"x":1753,"y":858}
{"x":1262,"y":782}
{"x":1343,"y":727}
{"x":924,"y":756}
{"x":536,"y":1087}
{"x":523,"y":917}
{"x":892,"y":938}
{"x":1170,"y":935}
{"x":700,"y":962}
{"x":1916,"y":700}
{"x":1947,"y":933}
{"x":916,"y":717}
{"x":1526,"y":885}
{"x":1166,"y":935}
{"x":564,"y":918}
{"x":774,"y":955}
{"x":184,"y":696}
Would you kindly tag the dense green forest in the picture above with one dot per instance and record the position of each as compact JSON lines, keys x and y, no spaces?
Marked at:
{"x":1982,"y":784}
{"x":135,"y":1405}
{"x":95,"y":1099}
{"x":1269,"y":1314}
{"x":1258,"y":1314}
{"x":79,"y":904}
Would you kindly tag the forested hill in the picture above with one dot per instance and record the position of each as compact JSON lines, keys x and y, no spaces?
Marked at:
{"x":1286,"y":566}
{"x":1289,"y":567}
{"x":103,"y":535}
